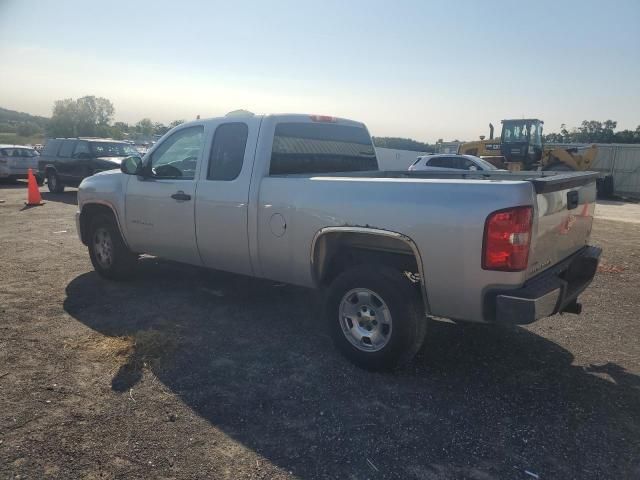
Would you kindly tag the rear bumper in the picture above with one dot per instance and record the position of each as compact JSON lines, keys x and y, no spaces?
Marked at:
{"x":553,"y":291}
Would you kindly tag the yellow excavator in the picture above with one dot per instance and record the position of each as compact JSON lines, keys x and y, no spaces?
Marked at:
{"x":520,"y":147}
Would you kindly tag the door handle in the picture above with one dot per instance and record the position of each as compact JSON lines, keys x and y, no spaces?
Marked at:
{"x":181,"y":196}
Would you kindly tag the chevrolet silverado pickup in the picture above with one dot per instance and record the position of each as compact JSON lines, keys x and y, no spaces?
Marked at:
{"x":299,"y":199}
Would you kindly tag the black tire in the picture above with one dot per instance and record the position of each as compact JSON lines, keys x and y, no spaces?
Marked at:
{"x":54,"y":183}
{"x":121,"y":261}
{"x":408,"y":326}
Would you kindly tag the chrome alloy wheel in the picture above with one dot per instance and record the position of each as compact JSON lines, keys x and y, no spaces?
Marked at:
{"x":365,"y":320}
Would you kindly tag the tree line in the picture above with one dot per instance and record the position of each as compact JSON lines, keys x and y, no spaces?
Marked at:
{"x":92,"y":116}
{"x":593,"y":131}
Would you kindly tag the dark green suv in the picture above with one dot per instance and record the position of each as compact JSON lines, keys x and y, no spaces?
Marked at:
{"x":67,"y":161}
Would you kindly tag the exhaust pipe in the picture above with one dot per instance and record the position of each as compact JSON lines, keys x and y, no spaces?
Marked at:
{"x":491,"y":131}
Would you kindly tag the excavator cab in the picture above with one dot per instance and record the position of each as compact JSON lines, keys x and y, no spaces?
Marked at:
{"x":521,"y":141}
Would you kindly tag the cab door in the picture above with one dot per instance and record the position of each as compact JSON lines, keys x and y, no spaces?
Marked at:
{"x":160,"y":204}
{"x":223,"y":197}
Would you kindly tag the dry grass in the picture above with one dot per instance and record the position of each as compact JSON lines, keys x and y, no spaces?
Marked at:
{"x":144,"y":348}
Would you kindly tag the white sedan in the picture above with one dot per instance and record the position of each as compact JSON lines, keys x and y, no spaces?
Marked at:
{"x":451,"y":162}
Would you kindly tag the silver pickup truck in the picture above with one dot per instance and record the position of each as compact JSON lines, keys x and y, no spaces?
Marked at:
{"x":299,"y":199}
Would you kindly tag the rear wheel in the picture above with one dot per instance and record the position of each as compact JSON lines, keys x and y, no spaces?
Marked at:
{"x":109,"y":254}
{"x":54,"y":183}
{"x":375,"y":316}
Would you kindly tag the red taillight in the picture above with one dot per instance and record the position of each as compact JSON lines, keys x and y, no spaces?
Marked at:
{"x":323,"y":118}
{"x":507,"y":237}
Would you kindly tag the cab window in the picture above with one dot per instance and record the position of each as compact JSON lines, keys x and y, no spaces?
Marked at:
{"x":227,"y":151}
{"x":177,"y":156}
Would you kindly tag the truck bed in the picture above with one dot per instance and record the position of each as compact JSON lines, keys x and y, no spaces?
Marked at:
{"x":543,"y":182}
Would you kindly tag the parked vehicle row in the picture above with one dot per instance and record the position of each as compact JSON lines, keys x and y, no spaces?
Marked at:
{"x":299,"y":199}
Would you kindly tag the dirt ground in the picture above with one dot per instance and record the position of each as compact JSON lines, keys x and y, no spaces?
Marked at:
{"x":183,"y":373}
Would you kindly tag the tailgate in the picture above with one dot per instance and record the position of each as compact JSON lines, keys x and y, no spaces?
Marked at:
{"x":565,"y":207}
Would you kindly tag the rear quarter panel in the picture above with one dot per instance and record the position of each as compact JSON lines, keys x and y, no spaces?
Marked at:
{"x":444,"y":218}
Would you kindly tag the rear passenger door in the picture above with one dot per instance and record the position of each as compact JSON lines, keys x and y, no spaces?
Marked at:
{"x":223,"y":197}
{"x":80,"y":165}
{"x":64,"y":161}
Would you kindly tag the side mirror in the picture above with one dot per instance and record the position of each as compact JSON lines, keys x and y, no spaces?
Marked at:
{"x":131,"y":165}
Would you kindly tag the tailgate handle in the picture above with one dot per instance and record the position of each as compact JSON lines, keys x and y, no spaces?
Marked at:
{"x":572,"y":200}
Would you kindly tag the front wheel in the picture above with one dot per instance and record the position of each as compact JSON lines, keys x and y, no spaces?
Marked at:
{"x":109,"y":254}
{"x":375,"y":316}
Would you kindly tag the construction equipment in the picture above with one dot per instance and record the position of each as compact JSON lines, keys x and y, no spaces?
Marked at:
{"x":521,"y":147}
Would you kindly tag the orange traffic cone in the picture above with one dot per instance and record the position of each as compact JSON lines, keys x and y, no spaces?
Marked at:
{"x":33,"y":192}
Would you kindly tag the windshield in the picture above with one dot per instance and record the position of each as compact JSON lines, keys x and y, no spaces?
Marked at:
{"x":113,"y":149}
{"x":522,"y":132}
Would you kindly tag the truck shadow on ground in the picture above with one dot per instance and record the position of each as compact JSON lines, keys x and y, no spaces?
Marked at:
{"x":70,"y":198}
{"x":253,"y":359}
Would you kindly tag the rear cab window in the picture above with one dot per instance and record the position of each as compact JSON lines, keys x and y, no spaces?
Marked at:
{"x":315,"y":148}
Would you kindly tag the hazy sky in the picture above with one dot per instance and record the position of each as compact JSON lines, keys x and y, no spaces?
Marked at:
{"x":422,"y":69}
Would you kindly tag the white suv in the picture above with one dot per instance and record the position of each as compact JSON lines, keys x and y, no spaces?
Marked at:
{"x":451,"y":162}
{"x":16,"y":160}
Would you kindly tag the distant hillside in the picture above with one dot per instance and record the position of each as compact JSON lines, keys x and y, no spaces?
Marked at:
{"x":11,"y":117}
{"x":21,"y":128}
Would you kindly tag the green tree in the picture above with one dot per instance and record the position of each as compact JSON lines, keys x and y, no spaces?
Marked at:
{"x":159,"y":128}
{"x":86,"y":116}
{"x":144,"y":127}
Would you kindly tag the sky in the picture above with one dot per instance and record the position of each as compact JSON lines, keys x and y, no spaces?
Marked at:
{"x":420,"y":69}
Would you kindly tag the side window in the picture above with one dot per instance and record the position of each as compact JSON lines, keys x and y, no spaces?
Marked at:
{"x":66,"y":148}
{"x":51,"y":148}
{"x":440,"y":162}
{"x":177,"y":156}
{"x":82,"y":150}
{"x":227,"y":151}
{"x":467,"y":164}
